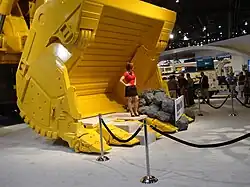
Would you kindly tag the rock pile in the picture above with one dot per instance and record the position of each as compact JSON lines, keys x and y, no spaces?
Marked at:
{"x":156,"y":104}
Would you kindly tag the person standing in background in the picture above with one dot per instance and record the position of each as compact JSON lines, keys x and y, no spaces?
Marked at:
{"x":232,"y":81}
{"x":172,"y":86}
{"x":190,"y":90}
{"x":204,"y":87}
{"x":241,"y":82}
{"x":183,"y":84}
{"x":247,"y":88}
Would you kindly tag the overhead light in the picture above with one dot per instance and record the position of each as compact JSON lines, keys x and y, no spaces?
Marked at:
{"x":246,"y":23}
{"x":220,"y":33}
{"x":244,"y":31}
{"x":207,"y":34}
{"x":179,"y":32}
{"x":171,"y":36}
{"x":219,"y":26}
{"x":177,"y":1}
{"x":204,"y":28}
{"x":185,"y":38}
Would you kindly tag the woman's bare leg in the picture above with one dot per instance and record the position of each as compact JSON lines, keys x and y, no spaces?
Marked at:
{"x":136,"y":104}
{"x":130,"y":105}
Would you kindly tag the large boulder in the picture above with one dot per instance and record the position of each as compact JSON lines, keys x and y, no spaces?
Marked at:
{"x":143,"y":110}
{"x":148,"y":96}
{"x":142,"y":102}
{"x":158,"y":98}
{"x":163,"y":116}
{"x":182,"y":123}
{"x":168,"y":105}
{"x":152,"y":111}
{"x":159,"y":90}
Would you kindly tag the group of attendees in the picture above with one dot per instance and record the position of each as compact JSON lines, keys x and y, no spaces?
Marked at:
{"x":185,"y":86}
{"x":243,"y":83}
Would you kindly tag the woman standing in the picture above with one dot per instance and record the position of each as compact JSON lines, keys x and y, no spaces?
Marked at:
{"x":129,"y":81}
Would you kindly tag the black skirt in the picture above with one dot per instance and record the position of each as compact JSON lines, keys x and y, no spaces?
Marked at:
{"x":130,"y":91}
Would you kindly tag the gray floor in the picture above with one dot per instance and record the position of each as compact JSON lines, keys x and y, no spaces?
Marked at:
{"x":28,"y":160}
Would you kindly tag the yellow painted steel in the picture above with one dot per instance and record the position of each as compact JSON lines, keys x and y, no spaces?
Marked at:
{"x":189,"y":118}
{"x":73,"y":58}
{"x":158,"y":135}
{"x":6,"y":6}
{"x":14,"y":33}
{"x":121,"y":134}
{"x":163,"y":127}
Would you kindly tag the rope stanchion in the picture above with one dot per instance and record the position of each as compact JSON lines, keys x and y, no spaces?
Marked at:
{"x":118,"y":139}
{"x":218,"y":107}
{"x":148,"y":179}
{"x":102,"y":157}
{"x":199,"y":104}
{"x":243,"y":104}
{"x":214,"y":145}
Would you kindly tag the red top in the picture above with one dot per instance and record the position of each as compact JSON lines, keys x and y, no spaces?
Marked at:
{"x":129,"y":78}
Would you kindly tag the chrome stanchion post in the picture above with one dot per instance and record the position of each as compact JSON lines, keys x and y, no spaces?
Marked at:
{"x":101,"y":158}
{"x":148,"y":179}
{"x":232,"y":102}
{"x":199,"y":104}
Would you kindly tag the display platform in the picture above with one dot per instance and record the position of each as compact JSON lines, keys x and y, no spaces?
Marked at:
{"x":125,"y":122}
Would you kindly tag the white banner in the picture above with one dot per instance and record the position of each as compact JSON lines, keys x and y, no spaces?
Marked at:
{"x":179,"y":107}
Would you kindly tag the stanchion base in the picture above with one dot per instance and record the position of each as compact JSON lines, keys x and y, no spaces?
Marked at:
{"x":200,"y":114}
{"x":149,"y":180}
{"x":102,"y":158}
{"x":233,"y":114}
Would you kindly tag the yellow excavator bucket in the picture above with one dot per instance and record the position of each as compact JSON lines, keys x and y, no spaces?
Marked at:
{"x":120,"y":133}
{"x":73,"y":58}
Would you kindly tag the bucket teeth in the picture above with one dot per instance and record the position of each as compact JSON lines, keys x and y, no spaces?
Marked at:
{"x":85,"y":140}
{"x":89,"y":143}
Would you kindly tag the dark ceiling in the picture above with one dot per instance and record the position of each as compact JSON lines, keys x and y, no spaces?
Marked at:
{"x":205,"y":21}
{"x":222,"y":19}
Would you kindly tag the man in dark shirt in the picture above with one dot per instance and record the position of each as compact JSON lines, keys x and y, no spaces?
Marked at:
{"x":172,"y":86}
{"x":183,"y":84}
{"x":241,"y":83}
{"x":204,"y":87}
{"x":190,"y":90}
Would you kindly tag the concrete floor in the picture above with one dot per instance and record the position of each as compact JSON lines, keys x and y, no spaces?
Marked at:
{"x":29,"y":160}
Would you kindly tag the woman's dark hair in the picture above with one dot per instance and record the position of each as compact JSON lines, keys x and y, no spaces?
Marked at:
{"x":129,"y":66}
